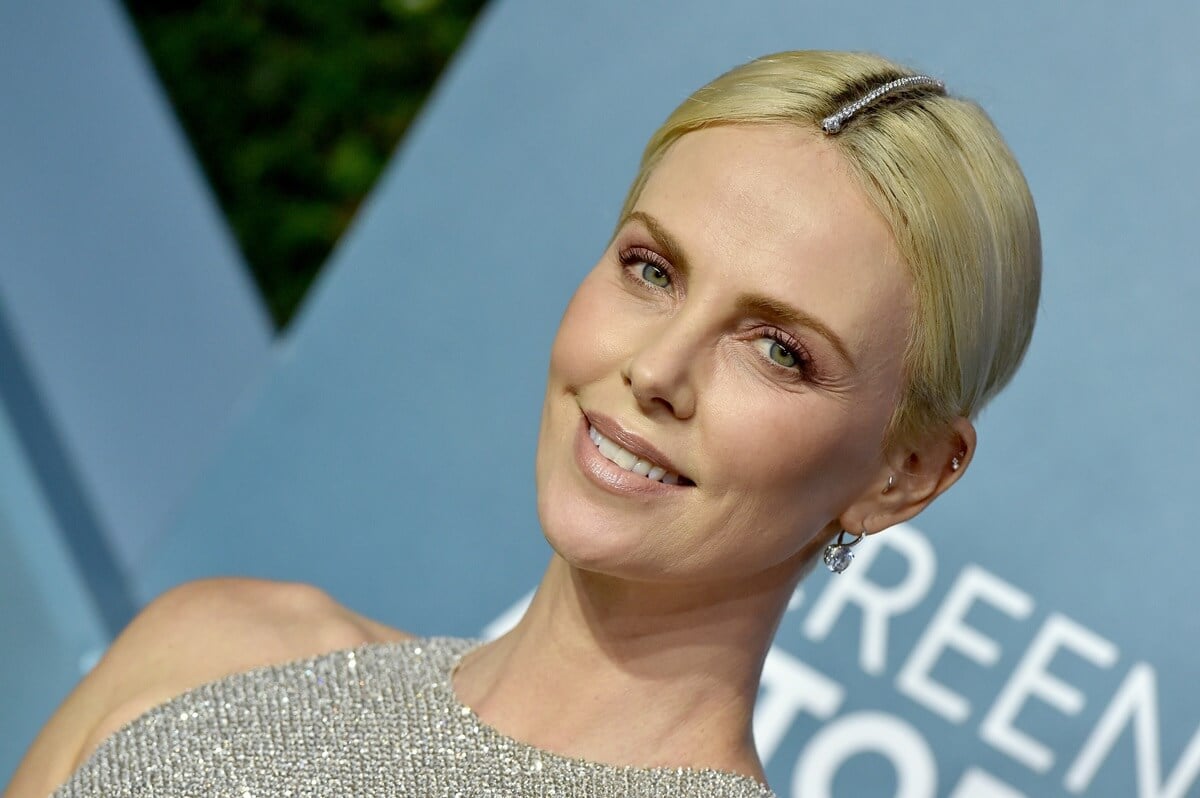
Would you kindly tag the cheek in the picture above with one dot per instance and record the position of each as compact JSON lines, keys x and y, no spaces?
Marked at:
{"x":587,"y":345}
{"x":774,"y":453}
{"x":795,"y":454}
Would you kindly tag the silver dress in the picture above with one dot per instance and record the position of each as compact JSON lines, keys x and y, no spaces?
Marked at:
{"x":379,"y":720}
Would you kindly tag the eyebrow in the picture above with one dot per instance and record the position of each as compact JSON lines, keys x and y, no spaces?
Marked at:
{"x":748,"y":304}
{"x":671,"y":248}
{"x":788,"y":316}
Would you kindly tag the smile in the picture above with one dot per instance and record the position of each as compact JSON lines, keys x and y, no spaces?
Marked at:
{"x":629,"y":461}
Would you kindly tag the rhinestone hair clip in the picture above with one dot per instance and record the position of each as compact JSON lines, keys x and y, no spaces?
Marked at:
{"x":833,"y":123}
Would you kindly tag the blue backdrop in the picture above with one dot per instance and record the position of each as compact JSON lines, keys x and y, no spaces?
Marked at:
{"x":1031,"y":634}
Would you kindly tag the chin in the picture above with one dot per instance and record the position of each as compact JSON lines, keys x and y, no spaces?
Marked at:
{"x":588,"y":538}
{"x":584,"y":534}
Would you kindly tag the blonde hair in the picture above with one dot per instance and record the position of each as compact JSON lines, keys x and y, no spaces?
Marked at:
{"x":938,"y":171}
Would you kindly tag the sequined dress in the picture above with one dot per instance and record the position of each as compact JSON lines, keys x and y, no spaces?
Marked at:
{"x":379,"y":720}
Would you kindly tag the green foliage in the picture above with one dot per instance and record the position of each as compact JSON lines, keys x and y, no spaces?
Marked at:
{"x":293,"y":108}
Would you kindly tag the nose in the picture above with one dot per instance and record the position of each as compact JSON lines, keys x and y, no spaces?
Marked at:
{"x":660,"y":372}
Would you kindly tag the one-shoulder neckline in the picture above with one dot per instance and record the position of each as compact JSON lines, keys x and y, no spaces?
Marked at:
{"x":445,"y":655}
{"x":461,"y":647}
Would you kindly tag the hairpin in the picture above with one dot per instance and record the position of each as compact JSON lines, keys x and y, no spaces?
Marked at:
{"x":833,"y":123}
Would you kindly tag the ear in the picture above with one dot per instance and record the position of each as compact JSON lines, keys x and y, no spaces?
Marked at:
{"x":920,"y":470}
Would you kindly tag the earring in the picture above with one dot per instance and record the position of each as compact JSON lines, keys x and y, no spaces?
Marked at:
{"x":838,"y":554}
{"x":891,"y":482}
{"x":955,"y":463}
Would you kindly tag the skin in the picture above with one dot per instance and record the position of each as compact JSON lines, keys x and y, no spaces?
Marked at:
{"x":192,"y":634}
{"x":645,"y":640}
{"x":661,"y":607}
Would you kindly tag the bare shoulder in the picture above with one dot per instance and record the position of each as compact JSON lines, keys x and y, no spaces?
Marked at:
{"x":212,"y":627}
{"x":190,"y":635}
{"x":203,"y":630}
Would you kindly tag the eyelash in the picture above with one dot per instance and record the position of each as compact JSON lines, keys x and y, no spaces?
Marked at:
{"x":804,"y":364}
{"x":632,"y":256}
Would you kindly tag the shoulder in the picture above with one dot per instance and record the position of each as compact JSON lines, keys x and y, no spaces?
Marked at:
{"x":210,"y":628}
{"x":210,"y":625}
{"x":201,"y":631}
{"x":192,"y":634}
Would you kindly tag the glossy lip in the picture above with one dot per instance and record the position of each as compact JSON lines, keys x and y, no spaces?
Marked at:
{"x":612,"y":429}
{"x":609,"y":476}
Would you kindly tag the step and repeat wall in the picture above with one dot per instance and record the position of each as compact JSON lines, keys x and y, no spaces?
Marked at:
{"x":1031,"y":634}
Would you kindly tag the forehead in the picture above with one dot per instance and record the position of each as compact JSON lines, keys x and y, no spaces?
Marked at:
{"x":776,"y":209}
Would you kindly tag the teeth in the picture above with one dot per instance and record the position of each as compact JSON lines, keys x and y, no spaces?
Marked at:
{"x":625,"y":459}
{"x":630,"y":461}
{"x":610,"y":449}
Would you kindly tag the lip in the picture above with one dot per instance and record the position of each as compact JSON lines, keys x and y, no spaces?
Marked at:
{"x":594,"y":463}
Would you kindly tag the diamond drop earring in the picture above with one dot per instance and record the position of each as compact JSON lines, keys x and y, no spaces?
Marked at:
{"x":838,"y":555}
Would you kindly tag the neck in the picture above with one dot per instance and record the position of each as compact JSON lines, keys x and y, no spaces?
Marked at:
{"x":631,"y":673}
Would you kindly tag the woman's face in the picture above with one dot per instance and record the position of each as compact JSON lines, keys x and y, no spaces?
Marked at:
{"x":744,"y":331}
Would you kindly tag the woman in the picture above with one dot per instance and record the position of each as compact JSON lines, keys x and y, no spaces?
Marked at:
{"x":824,"y":269}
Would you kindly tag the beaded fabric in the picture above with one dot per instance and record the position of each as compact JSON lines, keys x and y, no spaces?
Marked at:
{"x":378,"y":720}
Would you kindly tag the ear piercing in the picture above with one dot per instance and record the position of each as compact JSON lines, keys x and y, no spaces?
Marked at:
{"x":891,"y":483}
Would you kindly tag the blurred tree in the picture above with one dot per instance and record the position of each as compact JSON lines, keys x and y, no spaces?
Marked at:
{"x":293,"y":107}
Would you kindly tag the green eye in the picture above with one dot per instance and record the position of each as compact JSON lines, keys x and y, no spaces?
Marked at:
{"x":780,"y":354}
{"x":655,"y":275}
